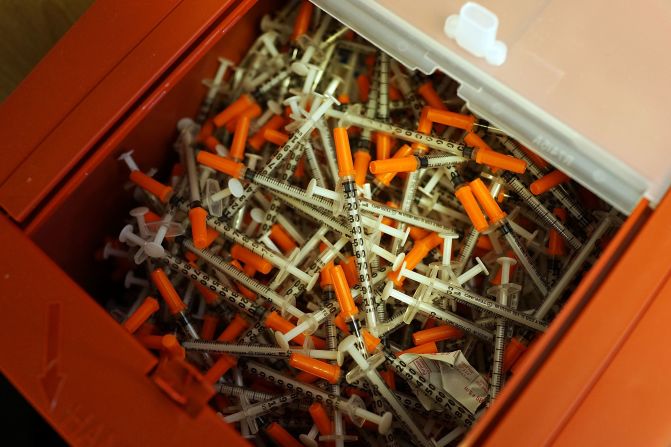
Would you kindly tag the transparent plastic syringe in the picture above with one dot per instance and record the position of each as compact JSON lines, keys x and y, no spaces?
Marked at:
{"x":255,"y":247}
{"x":347,"y":118}
{"x":220,"y":264}
{"x":256,"y":350}
{"x":349,"y":345}
{"x":274,"y":162}
{"x":501,"y":292}
{"x":558,"y":192}
{"x":238,"y":171}
{"x":437,"y":313}
{"x":262,"y":408}
{"x":470,"y":298}
{"x":353,"y":407}
{"x":537,"y":207}
{"x":346,"y":173}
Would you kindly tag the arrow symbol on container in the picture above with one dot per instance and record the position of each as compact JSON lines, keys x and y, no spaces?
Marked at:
{"x":52,"y":379}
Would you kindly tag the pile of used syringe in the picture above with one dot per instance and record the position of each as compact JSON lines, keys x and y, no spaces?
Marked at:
{"x":342,"y":258}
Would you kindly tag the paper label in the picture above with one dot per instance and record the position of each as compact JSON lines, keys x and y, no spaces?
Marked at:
{"x":451,"y":372}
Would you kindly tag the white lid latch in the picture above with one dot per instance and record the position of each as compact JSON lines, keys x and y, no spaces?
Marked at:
{"x":474,"y":29}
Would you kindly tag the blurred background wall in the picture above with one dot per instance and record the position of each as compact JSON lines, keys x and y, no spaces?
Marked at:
{"x":28,"y":29}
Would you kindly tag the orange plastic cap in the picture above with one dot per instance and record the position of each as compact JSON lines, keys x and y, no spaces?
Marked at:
{"x":426,"y":348}
{"x":325,"y":276}
{"x":242,"y":254}
{"x":417,"y":233}
{"x":211,"y":143}
{"x":302,"y":21}
{"x":275,"y":136}
{"x":514,"y":349}
{"x":233,"y":110}
{"x":451,"y":119}
{"x":234,"y":329}
{"x":206,"y":130}
{"x":363,"y":83}
{"x":347,"y":307}
{"x":275,"y":322}
{"x":251,"y":112}
{"x":361,"y":163}
{"x":402,"y":152}
{"x":404,"y":164}
{"x":425,"y":124}
{"x":536,"y":159}
{"x":282,"y":437}
{"x":474,"y":140}
{"x":395,"y":94}
{"x":198,"y":218}
{"x":326,"y":371}
{"x":343,"y":98}
{"x":438,"y":333}
{"x":243,"y":290}
{"x":382,"y":146}
{"x":158,"y":189}
{"x":208,"y":295}
{"x":167,"y":291}
{"x":486,"y":200}
{"x":340,"y":323}
{"x":351,"y":272}
{"x":389,"y":377}
{"x":415,"y":256}
{"x":556,"y":243}
{"x":221,"y":164}
{"x":548,"y":181}
{"x":237,"y":149}
{"x":154,"y":342}
{"x":282,"y":239}
{"x":431,"y":241}
{"x":171,"y":347}
{"x":484,"y":243}
{"x":429,"y":94}
{"x":148,"y":307}
{"x":210,"y":236}
{"x":467,"y":200}
{"x":210,"y":323}
{"x":321,"y":418}
{"x":257,"y":140}
{"x":343,"y":152}
{"x":219,"y":368}
{"x":370,"y":340}
{"x":498,"y":160}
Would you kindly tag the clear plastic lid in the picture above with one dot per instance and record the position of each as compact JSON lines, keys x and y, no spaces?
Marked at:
{"x":583,"y":83}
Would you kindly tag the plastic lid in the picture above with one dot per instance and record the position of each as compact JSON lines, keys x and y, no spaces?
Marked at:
{"x":558,"y":58}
